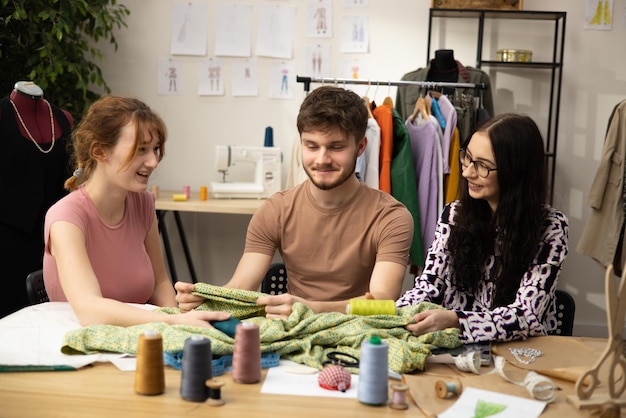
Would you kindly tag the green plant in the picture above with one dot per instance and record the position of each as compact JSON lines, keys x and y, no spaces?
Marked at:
{"x":54,"y":44}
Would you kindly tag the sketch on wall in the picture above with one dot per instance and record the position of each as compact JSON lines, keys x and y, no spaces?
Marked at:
{"x":233,"y":31}
{"x":245,"y":77}
{"x":598,"y":14}
{"x":210,"y":81}
{"x":317,"y":60}
{"x":354,"y":34}
{"x":169,"y":76}
{"x":275,"y":33}
{"x":283,"y":80}
{"x":320,"y":19}
{"x":189,"y":29}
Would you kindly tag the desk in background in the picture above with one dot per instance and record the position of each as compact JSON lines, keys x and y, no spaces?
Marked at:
{"x":165,"y":203}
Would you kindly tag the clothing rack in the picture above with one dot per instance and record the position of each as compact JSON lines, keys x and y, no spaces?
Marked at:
{"x":425,"y":84}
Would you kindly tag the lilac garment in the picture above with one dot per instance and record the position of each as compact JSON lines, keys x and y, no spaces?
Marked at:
{"x":449,"y":113}
{"x":533,"y":312}
{"x":426,"y":157}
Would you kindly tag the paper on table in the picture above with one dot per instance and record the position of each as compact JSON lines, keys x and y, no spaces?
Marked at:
{"x":31,"y":339}
{"x":284,"y":380}
{"x":473,"y":400}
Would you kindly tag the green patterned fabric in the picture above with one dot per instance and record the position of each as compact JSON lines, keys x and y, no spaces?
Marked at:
{"x":305,"y":337}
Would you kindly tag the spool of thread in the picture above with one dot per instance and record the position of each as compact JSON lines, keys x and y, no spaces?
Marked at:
{"x":187,"y":191}
{"x":398,"y":396}
{"x":196,"y":368}
{"x":155,"y":191}
{"x":247,"y":353}
{"x":179,"y":197}
{"x":150,"y":371}
{"x":372,"y":388}
{"x":203,"y":193}
{"x":269,"y":137}
{"x":215,"y":392}
{"x":371,"y":307}
{"x":447,"y":390}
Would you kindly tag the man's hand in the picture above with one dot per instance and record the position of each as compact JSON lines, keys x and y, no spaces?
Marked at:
{"x":186,"y":301}
{"x":279,"y":306}
{"x":433,"y":320}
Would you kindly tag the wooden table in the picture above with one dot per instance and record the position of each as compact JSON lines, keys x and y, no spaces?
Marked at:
{"x":104,"y":391}
{"x":165,"y":203}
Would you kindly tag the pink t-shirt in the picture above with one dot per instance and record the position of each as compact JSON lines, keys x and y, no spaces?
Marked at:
{"x":117,"y":252}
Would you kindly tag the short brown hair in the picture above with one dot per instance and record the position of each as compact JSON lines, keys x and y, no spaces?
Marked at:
{"x":329,"y":108}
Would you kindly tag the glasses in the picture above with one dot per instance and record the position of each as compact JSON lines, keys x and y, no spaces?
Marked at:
{"x":481,"y":168}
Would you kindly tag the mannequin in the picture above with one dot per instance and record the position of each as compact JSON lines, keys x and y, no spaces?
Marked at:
{"x":444,"y":67}
{"x":33,"y":167}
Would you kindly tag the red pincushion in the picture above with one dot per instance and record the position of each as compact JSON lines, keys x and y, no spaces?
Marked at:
{"x":334,"y":377}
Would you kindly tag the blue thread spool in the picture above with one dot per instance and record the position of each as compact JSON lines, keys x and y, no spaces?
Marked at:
{"x":269,"y":137}
{"x":196,"y":369}
{"x":372,"y":388}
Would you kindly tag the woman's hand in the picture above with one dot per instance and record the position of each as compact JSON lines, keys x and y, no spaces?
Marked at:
{"x":186,"y":301}
{"x":433,"y":320}
{"x":199,"y":318}
{"x":278,"y":306}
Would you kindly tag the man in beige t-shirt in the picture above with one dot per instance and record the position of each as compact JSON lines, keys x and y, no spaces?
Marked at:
{"x":339,"y":238}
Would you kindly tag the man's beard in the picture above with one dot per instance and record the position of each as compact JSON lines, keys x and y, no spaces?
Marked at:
{"x":341,"y":180}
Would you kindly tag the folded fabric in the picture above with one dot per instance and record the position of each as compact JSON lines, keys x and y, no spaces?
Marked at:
{"x":305,"y":337}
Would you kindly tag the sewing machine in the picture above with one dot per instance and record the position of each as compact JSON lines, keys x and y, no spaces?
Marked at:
{"x":267,"y":172}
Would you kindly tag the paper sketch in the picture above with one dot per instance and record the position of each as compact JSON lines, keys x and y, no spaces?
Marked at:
{"x":169,"y":76}
{"x":317,"y":60}
{"x":354,"y":34}
{"x":189,"y":29}
{"x":245,"y":78}
{"x":320,"y":19}
{"x":210,"y":81}
{"x":283,"y":80}
{"x":275,"y":32}
{"x":478,"y":403}
{"x":233,"y":37}
{"x":598,"y":14}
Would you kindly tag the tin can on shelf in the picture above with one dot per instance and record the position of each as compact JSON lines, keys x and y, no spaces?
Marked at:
{"x":514,"y":55}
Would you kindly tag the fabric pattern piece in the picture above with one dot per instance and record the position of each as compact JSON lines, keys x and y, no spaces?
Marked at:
{"x":305,"y":337}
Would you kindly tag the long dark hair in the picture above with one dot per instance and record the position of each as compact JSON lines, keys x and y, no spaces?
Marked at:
{"x":515,"y":228}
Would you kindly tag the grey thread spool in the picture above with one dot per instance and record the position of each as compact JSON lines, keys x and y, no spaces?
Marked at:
{"x":373,"y":371}
{"x":196,"y":369}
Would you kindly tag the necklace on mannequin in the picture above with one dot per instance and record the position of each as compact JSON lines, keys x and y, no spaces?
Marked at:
{"x":28,"y":132}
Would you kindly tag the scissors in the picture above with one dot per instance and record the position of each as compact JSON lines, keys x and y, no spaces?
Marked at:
{"x":342,"y":359}
{"x":615,"y":309}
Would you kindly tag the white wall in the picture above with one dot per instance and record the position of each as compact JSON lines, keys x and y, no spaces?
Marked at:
{"x":594,"y":81}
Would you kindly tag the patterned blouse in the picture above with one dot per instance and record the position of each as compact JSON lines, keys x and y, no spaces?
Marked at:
{"x":532,"y":313}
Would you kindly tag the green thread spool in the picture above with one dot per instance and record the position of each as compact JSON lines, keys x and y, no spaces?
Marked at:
{"x":371,"y":307}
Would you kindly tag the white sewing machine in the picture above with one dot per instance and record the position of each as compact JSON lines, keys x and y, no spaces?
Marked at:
{"x":267,"y":172}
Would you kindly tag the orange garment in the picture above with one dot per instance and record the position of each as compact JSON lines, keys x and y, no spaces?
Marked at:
{"x":451,"y":180}
{"x":384,"y":116}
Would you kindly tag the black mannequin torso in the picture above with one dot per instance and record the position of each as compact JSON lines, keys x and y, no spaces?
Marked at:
{"x":443,"y":67}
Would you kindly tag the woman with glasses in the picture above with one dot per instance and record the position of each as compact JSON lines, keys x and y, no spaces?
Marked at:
{"x":498,"y":249}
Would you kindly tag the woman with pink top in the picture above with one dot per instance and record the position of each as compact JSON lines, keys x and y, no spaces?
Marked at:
{"x":102,"y":246}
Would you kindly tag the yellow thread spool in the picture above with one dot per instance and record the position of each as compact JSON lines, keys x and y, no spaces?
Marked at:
{"x":179,"y":197}
{"x":203,"y":193}
{"x":371,"y":307}
{"x":150,"y":372}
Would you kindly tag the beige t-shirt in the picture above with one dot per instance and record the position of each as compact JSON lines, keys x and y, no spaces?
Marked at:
{"x":330,"y":254}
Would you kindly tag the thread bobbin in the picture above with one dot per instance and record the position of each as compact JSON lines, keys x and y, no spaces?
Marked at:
{"x":366,"y":307}
{"x":398,"y":397}
{"x":215,"y":392}
{"x":447,"y":390}
{"x":150,"y":370}
{"x":372,"y":388}
{"x":247,"y":353}
{"x":196,"y":368}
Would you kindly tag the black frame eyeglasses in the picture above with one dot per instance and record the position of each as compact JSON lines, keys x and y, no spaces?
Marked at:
{"x":481,"y":168}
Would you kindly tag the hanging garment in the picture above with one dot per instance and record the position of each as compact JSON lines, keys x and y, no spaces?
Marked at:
{"x":403,"y":184}
{"x":601,"y":233}
{"x":426,"y":150}
{"x":305,"y":337}
{"x":384,"y":118}
{"x":407,"y":96}
{"x":367,"y":164}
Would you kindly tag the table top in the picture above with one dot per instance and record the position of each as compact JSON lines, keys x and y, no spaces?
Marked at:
{"x":165,"y":201}
{"x":103,"y":390}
